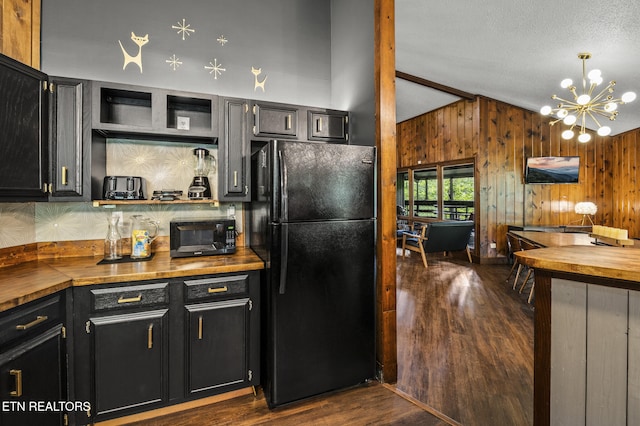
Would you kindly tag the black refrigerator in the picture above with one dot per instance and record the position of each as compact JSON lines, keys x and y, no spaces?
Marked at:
{"x":312,"y":221}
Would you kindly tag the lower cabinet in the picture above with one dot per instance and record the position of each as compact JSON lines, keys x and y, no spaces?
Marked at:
{"x":32,"y":364}
{"x":145,"y":345}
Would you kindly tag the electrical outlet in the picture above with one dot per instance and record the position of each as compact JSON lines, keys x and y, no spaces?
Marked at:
{"x":492,"y":245}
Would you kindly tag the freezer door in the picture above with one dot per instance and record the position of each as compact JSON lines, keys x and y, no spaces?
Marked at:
{"x":318,"y":181}
{"x":321,"y":310}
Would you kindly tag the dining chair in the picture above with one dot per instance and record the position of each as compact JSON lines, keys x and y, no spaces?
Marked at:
{"x":514,"y":246}
{"x":526,"y":245}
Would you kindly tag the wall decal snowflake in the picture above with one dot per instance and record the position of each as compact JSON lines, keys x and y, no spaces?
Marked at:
{"x":183,"y":28}
{"x":174,"y":62}
{"x":216,"y":68}
{"x":222,"y":40}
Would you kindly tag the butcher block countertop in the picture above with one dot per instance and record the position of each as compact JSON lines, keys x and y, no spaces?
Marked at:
{"x":618,"y":263}
{"x":28,"y":281}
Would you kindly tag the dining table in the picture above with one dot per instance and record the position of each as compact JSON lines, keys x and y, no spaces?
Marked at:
{"x":555,"y":239}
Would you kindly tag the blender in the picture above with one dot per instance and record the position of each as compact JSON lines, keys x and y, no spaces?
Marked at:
{"x":200,"y":189}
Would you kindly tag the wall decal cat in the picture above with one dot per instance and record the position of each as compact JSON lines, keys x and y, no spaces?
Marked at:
{"x":140,"y":41}
{"x":260,"y":84}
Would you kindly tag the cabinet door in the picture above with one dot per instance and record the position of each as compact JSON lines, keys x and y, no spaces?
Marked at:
{"x":70,"y":136}
{"x":24,"y":147}
{"x":218,"y":345}
{"x":130,"y":361}
{"x":233,"y":171}
{"x":275,"y":121}
{"x":328,"y":126}
{"x":32,"y":373}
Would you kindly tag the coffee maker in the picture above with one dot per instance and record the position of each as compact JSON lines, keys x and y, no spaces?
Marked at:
{"x":200,"y":189}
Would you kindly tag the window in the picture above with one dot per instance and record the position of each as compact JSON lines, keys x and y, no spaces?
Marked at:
{"x":457,"y":192}
{"x":438,"y":191}
{"x":402,"y":194}
{"x":425,"y":193}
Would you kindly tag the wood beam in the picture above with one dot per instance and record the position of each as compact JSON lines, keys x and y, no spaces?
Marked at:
{"x":437,"y":86}
{"x":386,"y":353}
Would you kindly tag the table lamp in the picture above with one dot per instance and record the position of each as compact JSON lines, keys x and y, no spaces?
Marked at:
{"x":586,"y":209}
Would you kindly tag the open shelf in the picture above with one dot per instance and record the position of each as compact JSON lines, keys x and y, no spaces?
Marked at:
{"x":185,"y":113}
{"x":125,"y":107}
{"x":102,"y":203}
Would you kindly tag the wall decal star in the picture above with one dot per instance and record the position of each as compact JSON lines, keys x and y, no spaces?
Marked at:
{"x":216,"y":68}
{"x":174,"y":62}
{"x":183,"y":28}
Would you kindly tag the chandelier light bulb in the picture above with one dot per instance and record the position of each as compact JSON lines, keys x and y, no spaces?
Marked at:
{"x":562,"y":113}
{"x":594,"y":75}
{"x":610,"y":107}
{"x":583,"y":99}
{"x":545,"y":110}
{"x":628,"y":97}
{"x":569,"y":120}
{"x":584,"y":137}
{"x":604,"y":131}
{"x":566,"y":83}
{"x":567,"y":134}
{"x":597,"y":80}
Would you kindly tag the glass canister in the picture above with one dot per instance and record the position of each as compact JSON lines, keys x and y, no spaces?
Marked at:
{"x":113,"y":240}
{"x":143,"y":232}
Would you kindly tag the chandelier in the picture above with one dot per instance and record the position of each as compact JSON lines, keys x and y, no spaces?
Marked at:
{"x":590,"y":102}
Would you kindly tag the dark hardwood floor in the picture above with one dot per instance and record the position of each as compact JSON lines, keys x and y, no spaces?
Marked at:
{"x":465,"y":341}
{"x":465,"y":354}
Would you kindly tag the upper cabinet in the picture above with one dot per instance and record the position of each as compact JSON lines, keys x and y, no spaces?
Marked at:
{"x":23,"y":130}
{"x":133,"y":111}
{"x":70,"y":139}
{"x":275,"y":121}
{"x":233,"y":151}
{"x":328,"y":126}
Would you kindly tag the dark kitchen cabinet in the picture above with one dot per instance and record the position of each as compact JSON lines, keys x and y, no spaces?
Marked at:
{"x":275,"y":121}
{"x":70,"y":139}
{"x":233,"y":151}
{"x":328,"y":126}
{"x":148,"y":344}
{"x":122,"y":348}
{"x":33,"y":363}
{"x":23,"y":130}
{"x":222,"y":317}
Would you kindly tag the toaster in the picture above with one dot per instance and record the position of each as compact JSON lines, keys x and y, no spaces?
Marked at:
{"x":124,"y":188}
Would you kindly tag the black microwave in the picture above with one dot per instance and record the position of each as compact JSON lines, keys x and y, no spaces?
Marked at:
{"x":202,"y":237}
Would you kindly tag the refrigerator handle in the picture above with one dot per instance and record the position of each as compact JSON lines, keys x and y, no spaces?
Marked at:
{"x":284,"y":255}
{"x":284,"y":215}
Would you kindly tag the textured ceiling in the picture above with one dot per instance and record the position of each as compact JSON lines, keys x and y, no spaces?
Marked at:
{"x":515,"y":51}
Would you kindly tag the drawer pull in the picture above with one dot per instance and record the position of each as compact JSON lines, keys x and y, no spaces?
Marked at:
{"x":150,"y":337}
{"x":17,"y":374}
{"x":122,"y":299}
{"x":38,"y":320}
{"x":200,"y":327}
{"x":287,"y":125}
{"x":218,"y":289}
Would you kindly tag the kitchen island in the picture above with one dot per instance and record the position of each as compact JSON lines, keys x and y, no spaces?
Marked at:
{"x":587,"y":334}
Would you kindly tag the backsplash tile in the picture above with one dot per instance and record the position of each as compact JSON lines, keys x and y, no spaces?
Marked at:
{"x":164,"y":165}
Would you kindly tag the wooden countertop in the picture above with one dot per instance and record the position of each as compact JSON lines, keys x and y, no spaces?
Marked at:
{"x":28,"y":281}
{"x":620,"y":263}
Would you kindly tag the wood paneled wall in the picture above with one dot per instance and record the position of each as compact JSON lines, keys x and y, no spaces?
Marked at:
{"x":500,"y":137}
{"x":623,"y":169}
{"x":20,"y":30}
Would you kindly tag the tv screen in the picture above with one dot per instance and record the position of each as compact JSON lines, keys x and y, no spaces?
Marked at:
{"x":552,"y":170}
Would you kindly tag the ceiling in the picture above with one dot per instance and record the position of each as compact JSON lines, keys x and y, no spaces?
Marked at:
{"x":515,"y":51}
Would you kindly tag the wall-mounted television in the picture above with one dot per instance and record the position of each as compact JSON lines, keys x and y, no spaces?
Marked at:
{"x":552,"y":170}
